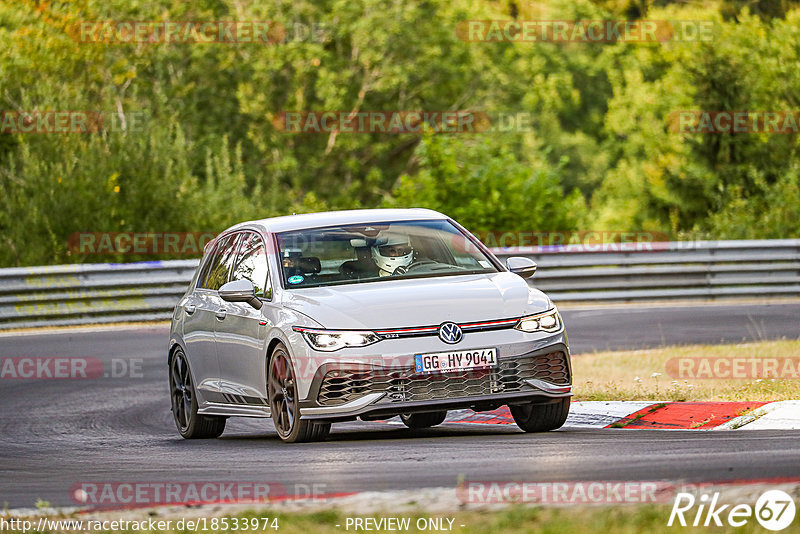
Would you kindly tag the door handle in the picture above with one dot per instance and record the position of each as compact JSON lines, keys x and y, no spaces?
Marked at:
{"x":190,"y":309}
{"x":221,"y":314}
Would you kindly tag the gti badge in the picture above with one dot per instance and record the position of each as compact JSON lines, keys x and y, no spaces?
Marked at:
{"x":450,"y":333}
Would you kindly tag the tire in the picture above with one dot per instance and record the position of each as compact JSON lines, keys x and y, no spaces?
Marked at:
{"x":191,"y":425}
{"x":284,"y":404}
{"x":423,"y":420}
{"x":541,"y":417}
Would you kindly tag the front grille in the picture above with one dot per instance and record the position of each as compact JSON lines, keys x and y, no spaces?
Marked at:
{"x":402,"y":385}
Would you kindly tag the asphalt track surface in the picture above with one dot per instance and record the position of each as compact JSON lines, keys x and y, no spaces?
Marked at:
{"x":56,"y":433}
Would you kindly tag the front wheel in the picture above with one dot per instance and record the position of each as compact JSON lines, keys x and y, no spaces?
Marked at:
{"x":541,"y":417}
{"x":423,"y":420}
{"x":284,"y":405}
{"x":191,"y":425}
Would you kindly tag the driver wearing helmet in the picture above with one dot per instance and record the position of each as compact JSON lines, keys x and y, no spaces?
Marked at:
{"x":392,"y":253}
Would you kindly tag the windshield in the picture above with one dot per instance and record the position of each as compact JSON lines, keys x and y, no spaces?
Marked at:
{"x":375,"y":252}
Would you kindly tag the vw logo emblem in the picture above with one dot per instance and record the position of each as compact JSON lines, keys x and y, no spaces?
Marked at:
{"x":450,"y":333}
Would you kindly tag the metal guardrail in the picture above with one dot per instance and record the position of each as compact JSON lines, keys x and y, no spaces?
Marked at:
{"x":110,"y":292}
{"x":675,"y":270}
{"x":92,"y":293}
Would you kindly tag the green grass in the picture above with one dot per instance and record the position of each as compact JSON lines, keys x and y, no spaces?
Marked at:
{"x":643,"y":374}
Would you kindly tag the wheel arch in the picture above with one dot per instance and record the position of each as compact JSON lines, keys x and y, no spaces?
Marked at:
{"x":274,"y":342}
{"x":174,"y":344}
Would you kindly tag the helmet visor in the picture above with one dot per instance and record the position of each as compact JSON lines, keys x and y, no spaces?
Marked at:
{"x":394,"y":251}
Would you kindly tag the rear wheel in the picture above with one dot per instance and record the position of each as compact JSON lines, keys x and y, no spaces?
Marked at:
{"x":284,"y":405}
{"x":423,"y":420}
{"x":190,"y":424}
{"x":541,"y":417}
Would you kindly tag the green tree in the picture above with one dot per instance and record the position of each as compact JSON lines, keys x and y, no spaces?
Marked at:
{"x":485,"y":187}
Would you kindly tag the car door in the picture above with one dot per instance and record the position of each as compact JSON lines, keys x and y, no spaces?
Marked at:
{"x":198,"y":330}
{"x":241,"y":336}
{"x":201,"y":309}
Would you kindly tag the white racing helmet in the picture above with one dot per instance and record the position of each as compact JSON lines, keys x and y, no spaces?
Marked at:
{"x":392,"y":250}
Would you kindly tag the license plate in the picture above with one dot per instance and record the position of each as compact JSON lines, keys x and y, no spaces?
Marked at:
{"x":455,"y":361}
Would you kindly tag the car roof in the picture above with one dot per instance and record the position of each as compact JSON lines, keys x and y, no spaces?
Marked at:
{"x":332,"y":218}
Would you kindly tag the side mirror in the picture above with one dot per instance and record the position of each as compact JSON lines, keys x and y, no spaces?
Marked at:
{"x":240,"y":291}
{"x":525,"y":267}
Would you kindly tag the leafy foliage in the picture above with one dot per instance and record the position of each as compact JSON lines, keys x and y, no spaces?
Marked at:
{"x":596,"y":150}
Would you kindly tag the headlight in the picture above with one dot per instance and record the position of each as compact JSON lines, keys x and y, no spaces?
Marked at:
{"x":549,"y":321}
{"x":331,"y":340}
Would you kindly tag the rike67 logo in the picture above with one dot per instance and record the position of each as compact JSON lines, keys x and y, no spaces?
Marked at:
{"x":774,"y":510}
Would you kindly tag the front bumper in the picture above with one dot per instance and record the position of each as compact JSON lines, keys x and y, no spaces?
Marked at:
{"x":345,"y":392}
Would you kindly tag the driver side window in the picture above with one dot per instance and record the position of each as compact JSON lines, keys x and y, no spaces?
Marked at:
{"x":220,"y":265}
{"x":251,"y":264}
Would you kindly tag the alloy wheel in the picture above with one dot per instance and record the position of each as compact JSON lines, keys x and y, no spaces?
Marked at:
{"x":282,"y":394}
{"x":182,"y":391}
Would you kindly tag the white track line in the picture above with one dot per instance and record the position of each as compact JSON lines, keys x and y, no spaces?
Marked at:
{"x":780,"y":415}
{"x":600,"y":414}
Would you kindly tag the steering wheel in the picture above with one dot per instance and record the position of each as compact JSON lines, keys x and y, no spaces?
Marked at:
{"x":411,"y":266}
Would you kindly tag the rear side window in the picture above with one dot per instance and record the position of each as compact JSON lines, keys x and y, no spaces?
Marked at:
{"x":220,"y":265}
{"x":251,"y":264}
{"x":209,"y":259}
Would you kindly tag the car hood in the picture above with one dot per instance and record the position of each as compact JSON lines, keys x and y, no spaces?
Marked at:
{"x":418,"y":302}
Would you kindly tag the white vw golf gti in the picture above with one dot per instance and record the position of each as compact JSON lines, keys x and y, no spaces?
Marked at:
{"x":328,"y":317}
